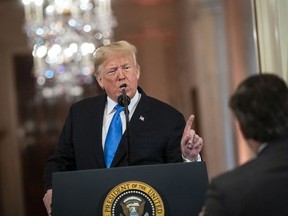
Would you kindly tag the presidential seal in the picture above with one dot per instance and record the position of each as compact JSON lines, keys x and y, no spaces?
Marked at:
{"x":133,"y":198}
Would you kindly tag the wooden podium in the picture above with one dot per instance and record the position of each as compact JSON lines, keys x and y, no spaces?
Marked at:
{"x":167,"y":189}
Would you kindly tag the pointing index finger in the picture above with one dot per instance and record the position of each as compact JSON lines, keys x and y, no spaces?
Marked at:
{"x":189,"y":123}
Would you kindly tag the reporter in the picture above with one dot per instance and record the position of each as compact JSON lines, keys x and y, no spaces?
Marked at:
{"x":259,"y":187}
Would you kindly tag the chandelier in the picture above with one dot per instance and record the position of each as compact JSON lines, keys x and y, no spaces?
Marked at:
{"x":63,"y":35}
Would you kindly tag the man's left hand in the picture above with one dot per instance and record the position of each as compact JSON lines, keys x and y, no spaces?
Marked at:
{"x":191,"y":143}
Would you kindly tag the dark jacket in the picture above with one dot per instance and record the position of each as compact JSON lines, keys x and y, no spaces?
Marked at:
{"x":155,"y":132}
{"x":259,"y":187}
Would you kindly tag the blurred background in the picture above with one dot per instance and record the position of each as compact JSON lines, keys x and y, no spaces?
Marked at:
{"x":192,"y":54}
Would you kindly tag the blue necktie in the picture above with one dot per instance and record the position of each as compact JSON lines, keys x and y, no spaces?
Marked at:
{"x":113,"y":136}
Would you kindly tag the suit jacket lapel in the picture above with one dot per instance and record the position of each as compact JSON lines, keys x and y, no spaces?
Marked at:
{"x":140,"y":117}
{"x":97,"y":136}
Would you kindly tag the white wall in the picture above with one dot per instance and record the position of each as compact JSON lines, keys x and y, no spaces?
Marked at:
{"x":272,"y":35}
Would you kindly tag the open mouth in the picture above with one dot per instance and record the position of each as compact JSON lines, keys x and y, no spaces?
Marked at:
{"x":123,"y":86}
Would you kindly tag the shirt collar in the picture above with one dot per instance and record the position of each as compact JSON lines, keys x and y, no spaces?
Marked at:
{"x":111,"y":104}
{"x":261,"y":147}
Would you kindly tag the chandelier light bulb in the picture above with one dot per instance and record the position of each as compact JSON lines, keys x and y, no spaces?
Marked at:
{"x":64,"y":34}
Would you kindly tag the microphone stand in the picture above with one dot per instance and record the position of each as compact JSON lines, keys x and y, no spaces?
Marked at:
{"x":124,"y":101}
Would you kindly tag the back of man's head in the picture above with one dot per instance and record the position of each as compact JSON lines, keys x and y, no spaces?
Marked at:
{"x":260,"y":104}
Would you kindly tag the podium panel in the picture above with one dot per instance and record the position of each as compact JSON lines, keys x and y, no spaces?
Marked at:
{"x":167,"y":189}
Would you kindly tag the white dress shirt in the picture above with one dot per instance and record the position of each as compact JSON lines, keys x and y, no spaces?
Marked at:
{"x":109,"y":113}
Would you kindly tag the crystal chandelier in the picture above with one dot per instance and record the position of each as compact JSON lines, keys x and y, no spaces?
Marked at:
{"x":63,"y":35}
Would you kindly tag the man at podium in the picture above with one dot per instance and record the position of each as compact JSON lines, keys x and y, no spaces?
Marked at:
{"x":151,"y":131}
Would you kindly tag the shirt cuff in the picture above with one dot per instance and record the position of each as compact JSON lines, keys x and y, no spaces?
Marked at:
{"x":197,"y":160}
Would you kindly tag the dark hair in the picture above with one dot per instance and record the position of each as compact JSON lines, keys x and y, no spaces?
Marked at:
{"x":260,"y":104}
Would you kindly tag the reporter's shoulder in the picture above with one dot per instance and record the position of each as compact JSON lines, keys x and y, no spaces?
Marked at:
{"x":237,"y":176}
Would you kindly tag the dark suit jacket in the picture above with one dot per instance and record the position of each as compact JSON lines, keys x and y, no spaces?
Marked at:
{"x":257,"y":188}
{"x":155,"y":133}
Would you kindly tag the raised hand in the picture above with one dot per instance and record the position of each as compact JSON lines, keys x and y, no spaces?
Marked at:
{"x":191,"y":143}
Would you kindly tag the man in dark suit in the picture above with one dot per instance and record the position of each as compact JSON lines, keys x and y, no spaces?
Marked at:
{"x":259,"y":187}
{"x":158,"y":133}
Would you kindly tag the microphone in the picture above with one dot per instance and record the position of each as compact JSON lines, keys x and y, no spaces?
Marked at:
{"x":124,"y":101}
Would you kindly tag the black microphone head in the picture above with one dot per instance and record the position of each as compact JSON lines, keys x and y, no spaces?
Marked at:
{"x":123,"y":99}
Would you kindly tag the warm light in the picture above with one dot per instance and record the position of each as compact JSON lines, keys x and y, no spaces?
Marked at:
{"x":26,"y":2}
{"x":87,"y":48}
{"x":87,"y":28}
{"x":41,"y":51}
{"x":64,"y":34}
{"x":73,"y":47}
{"x":38,"y":2}
{"x":54,"y":51}
{"x":49,"y":10}
{"x":40,"y":80}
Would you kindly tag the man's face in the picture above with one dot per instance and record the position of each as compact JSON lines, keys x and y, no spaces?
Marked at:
{"x":119,"y":71}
